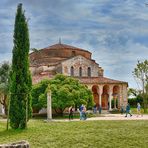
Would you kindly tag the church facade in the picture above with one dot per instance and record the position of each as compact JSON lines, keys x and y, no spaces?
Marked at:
{"x":76,"y":62}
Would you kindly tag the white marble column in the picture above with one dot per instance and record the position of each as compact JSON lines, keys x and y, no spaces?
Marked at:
{"x":49,"y":107}
{"x":110,"y":97}
{"x":110,"y":100}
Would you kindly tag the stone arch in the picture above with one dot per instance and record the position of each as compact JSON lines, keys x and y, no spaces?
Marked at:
{"x":95,"y":90}
{"x":105,"y":97}
{"x":72,"y":71}
{"x":80,"y":71}
{"x":89,"y":71}
{"x":116,"y":90}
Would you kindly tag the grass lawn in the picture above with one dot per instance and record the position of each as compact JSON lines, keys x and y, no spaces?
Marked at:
{"x":84,"y":134}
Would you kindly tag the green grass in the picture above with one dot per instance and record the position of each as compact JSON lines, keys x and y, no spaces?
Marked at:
{"x":84,"y":134}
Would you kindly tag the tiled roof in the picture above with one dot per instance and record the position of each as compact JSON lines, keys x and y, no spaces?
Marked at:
{"x":99,"y":80}
{"x":64,"y":46}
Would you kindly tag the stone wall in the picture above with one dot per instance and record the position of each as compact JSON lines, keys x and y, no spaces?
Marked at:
{"x":82,"y":62}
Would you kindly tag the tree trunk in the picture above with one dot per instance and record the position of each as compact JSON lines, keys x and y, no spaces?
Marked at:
{"x":5,"y":104}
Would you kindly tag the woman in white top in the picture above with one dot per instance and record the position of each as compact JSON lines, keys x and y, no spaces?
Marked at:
{"x":138,"y":109}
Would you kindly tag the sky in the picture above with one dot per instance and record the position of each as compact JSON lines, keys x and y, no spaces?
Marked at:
{"x":115,"y":31}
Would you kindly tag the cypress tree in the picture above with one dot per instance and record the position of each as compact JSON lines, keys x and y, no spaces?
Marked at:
{"x":20,"y":77}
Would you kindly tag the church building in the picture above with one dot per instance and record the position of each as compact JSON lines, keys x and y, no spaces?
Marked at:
{"x":77,"y":62}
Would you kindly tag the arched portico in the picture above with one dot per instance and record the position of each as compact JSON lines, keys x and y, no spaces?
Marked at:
{"x":104,"y":93}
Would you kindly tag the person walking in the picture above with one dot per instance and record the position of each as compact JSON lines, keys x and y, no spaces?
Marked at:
{"x":128,"y":110}
{"x":139,"y":109}
{"x":70,"y":113}
{"x":95,"y":109}
{"x":80,"y":110}
{"x":84,"y":117}
{"x":122,"y":109}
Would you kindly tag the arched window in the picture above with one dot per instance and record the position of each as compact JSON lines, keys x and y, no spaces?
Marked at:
{"x":80,"y":72}
{"x":73,"y":53}
{"x":72,"y":71}
{"x":89,"y":72}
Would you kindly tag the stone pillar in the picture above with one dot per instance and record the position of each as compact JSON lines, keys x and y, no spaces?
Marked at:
{"x":100,"y":95}
{"x":110,"y":97}
{"x":49,"y":108}
{"x":110,"y":100}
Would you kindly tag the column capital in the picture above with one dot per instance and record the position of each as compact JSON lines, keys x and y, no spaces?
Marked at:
{"x":111,"y":88}
{"x":100,"y":89}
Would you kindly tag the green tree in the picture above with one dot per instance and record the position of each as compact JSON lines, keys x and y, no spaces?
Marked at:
{"x":132,"y":92}
{"x":141,"y":76}
{"x":20,"y":77}
{"x":39,"y":96}
{"x":66,"y":91}
{"x":4,"y":84}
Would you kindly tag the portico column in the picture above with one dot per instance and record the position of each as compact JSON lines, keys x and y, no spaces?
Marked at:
{"x":100,"y":95}
{"x":110,"y":97}
{"x":110,"y":100}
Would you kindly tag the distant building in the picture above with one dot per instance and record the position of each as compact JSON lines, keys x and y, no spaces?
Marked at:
{"x":76,"y":62}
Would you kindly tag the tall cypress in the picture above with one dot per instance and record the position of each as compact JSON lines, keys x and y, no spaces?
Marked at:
{"x":20,"y":77}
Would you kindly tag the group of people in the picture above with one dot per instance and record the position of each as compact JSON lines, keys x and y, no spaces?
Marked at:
{"x":83,"y":116}
{"x":82,"y":111}
{"x":97,"y":108}
{"x":128,"y":110}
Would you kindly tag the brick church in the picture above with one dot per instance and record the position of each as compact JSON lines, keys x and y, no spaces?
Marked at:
{"x":77,"y":62}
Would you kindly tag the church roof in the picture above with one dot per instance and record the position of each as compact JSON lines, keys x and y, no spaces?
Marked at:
{"x":100,"y":80}
{"x":64,"y":46}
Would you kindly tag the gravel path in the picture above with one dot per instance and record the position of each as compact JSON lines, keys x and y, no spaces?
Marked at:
{"x":105,"y":117}
{"x":110,"y":117}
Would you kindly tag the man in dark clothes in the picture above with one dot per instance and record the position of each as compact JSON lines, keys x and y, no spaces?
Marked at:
{"x":128,"y":110}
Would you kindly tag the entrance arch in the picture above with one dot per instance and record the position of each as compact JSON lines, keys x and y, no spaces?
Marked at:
{"x":95,"y":90}
{"x":105,"y":97}
{"x":116,"y":95}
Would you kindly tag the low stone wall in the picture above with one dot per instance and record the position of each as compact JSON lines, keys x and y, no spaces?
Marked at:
{"x":20,"y":144}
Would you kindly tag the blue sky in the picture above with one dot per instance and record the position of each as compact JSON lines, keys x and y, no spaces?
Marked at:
{"x":115,"y":31}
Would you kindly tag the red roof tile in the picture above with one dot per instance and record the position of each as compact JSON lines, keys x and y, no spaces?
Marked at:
{"x":63,"y":46}
{"x":99,"y":80}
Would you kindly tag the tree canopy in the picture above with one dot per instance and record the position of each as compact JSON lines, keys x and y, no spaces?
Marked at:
{"x":140,"y":74}
{"x":66,"y":91}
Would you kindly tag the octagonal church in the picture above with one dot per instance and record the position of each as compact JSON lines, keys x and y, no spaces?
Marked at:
{"x":77,"y":62}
